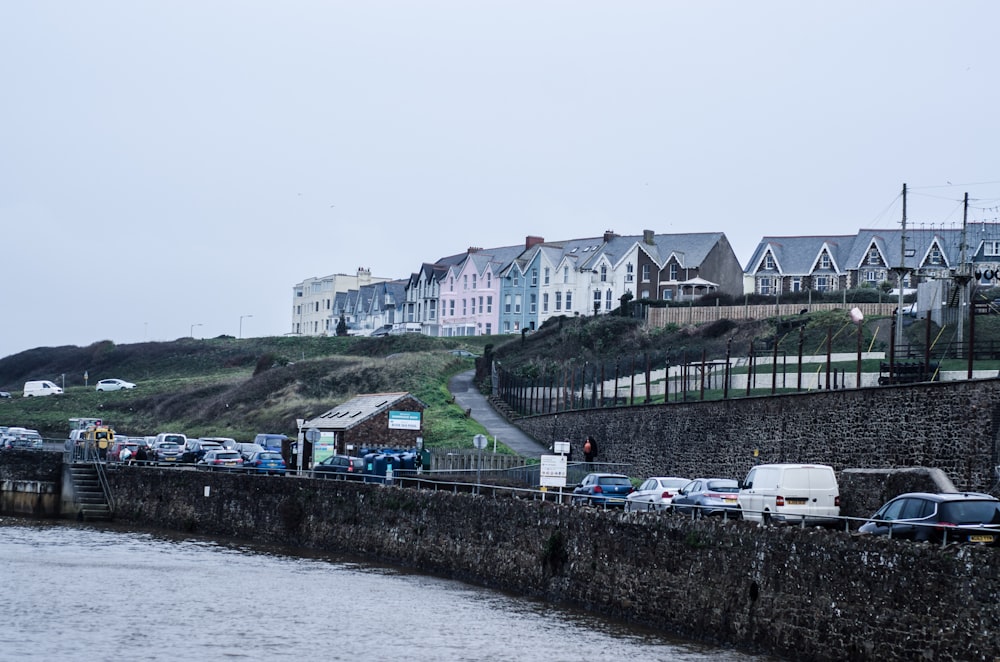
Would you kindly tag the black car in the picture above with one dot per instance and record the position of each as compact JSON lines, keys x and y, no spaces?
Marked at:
{"x":340,"y":466}
{"x":195,"y":449}
{"x":950,"y":517}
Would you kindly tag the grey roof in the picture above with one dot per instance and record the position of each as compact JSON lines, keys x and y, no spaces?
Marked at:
{"x":358,"y":409}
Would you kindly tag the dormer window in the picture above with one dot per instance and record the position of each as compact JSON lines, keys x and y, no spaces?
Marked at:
{"x":935,"y":256}
{"x":824,"y":261}
{"x":873,"y":256}
{"x":604,"y":273}
{"x":769,"y":262}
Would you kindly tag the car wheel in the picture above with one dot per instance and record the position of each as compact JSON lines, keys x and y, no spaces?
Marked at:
{"x":765,"y":518}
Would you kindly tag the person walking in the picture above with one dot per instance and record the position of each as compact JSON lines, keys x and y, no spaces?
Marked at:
{"x":590,"y":449}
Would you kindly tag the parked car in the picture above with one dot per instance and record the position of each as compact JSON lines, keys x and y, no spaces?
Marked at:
{"x":463,"y":353}
{"x":270,"y":441}
{"x":265,"y":462}
{"x":174,"y":437}
{"x":707,"y":496}
{"x":195,"y":449}
{"x":226,"y":442}
{"x":167,"y":452}
{"x":602,"y":489}
{"x":4,"y":394}
{"x":790,"y":493}
{"x":115,"y":452}
{"x":246,"y":450}
{"x":18,"y":437}
{"x":340,"y":466}
{"x":221,"y":460}
{"x":968,"y":517}
{"x":114,"y":385}
{"x":655,"y":493}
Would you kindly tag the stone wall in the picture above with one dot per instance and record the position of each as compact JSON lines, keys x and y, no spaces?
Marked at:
{"x":30,"y":482}
{"x":799,"y":593}
{"x":950,"y":426}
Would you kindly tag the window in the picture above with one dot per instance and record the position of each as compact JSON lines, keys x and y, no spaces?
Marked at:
{"x":565,"y":274}
{"x":545,"y":276}
{"x":569,"y":301}
{"x":607,"y":300}
{"x":824,"y":261}
{"x":432,"y":313}
{"x":597,"y":299}
{"x":629,"y":273}
{"x":991,"y":248}
{"x":506,"y":303}
{"x":451,"y":283}
{"x":465,"y":307}
{"x":489,"y":304}
{"x":545,"y":302}
{"x":489,"y":280}
{"x":823,"y":284}
{"x":534,"y":302}
{"x":645,"y":273}
{"x":796,"y":284}
{"x":764,"y":285}
{"x":673,"y":271}
{"x":873,"y":257}
{"x":473,"y":281}
{"x":506,"y":327}
{"x":769,"y":262}
{"x":489,"y":329}
{"x":451,"y":307}
{"x":558,"y":301}
{"x":480,"y":305}
{"x":604,"y":273}
{"x":517,"y":304}
{"x":465,"y":281}
{"x":936,"y":255}
{"x":534,"y":277}
{"x":873,"y":276}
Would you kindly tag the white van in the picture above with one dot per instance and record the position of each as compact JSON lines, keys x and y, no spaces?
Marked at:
{"x":790,"y":493}
{"x":43,"y":387}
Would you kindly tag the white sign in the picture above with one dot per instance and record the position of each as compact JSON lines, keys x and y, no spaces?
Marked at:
{"x":404,"y":420}
{"x":561,"y":447}
{"x":480,"y":441}
{"x":552,"y":471}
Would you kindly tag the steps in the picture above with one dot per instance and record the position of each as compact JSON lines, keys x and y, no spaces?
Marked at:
{"x":88,"y":493}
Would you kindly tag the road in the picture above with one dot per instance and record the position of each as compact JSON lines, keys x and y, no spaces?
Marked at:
{"x":468,"y":397}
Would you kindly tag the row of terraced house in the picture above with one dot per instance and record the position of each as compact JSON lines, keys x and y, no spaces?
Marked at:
{"x":509,"y":289}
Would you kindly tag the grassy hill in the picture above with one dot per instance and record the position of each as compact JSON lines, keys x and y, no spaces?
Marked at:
{"x":236,"y":388}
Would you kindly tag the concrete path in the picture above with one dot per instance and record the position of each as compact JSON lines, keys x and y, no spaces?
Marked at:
{"x":468,"y":397}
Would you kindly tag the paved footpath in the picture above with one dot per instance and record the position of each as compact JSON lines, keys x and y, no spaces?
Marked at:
{"x":468,"y":397}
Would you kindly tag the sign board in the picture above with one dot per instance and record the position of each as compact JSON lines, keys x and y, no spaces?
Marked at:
{"x":404,"y":420}
{"x":480,"y":441}
{"x":561,"y":447}
{"x":982,"y":308}
{"x":312,"y":435}
{"x":552,"y":471}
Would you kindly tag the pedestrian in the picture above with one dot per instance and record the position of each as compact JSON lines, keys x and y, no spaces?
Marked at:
{"x":125,"y":456}
{"x":141,"y":455}
{"x":590,"y":449}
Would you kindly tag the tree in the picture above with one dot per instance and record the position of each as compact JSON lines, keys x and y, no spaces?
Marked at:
{"x":341,"y":327}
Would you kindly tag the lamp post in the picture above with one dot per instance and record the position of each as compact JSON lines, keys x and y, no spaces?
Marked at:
{"x":191,"y":334}
{"x":242,"y":317}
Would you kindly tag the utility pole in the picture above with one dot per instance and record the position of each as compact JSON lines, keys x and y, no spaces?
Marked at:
{"x":900,"y":274}
{"x":963,"y":276}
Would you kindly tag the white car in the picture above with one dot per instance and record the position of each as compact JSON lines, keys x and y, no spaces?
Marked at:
{"x":114,"y":385}
{"x":655,"y":493}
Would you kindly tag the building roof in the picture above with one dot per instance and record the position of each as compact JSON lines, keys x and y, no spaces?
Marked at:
{"x":358,"y":409}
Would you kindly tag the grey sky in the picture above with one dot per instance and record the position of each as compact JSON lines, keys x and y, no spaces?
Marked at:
{"x":166,"y":164}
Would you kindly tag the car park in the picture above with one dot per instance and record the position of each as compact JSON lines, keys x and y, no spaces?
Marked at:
{"x":655,"y":493}
{"x":602,"y":489}
{"x":24,"y":438}
{"x":246,"y":450}
{"x":265,"y":462}
{"x":790,"y":493}
{"x":114,"y":385}
{"x":121,"y":443}
{"x":707,"y":496}
{"x":221,"y":460}
{"x":968,"y":517}
{"x":345,"y":467}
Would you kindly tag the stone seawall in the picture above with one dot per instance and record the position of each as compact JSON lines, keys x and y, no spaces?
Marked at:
{"x":30,"y":482}
{"x":951,"y":426}
{"x":797,"y":593}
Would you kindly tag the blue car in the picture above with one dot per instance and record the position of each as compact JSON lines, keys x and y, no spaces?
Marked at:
{"x":601,"y":489}
{"x":265,"y":462}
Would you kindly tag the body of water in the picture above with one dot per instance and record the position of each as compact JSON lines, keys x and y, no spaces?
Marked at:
{"x":75,"y":592}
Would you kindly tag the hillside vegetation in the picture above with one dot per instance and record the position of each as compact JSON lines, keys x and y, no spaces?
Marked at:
{"x":236,"y":388}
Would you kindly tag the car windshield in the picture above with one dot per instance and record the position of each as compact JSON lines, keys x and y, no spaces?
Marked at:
{"x":970,"y":512}
{"x":614,"y":480}
{"x":168,"y":446}
{"x":269,"y":456}
{"x":226,"y":456}
{"x":725,"y":486}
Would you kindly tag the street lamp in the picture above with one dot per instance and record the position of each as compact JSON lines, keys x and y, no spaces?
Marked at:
{"x":242,"y":317}
{"x":192,"y":329}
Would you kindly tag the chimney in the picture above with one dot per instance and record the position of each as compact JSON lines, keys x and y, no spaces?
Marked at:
{"x":609,"y":235}
{"x":530,"y":241}
{"x":647,"y":237}
{"x":474,"y":249}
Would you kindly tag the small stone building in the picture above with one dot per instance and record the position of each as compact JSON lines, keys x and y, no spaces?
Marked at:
{"x":372,"y":420}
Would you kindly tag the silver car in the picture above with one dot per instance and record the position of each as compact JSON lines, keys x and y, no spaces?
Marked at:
{"x":655,"y":493}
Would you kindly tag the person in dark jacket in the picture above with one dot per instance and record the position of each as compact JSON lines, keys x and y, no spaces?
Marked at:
{"x":590,"y":449}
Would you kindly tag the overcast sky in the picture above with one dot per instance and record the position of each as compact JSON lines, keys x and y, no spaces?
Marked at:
{"x":168,"y":167}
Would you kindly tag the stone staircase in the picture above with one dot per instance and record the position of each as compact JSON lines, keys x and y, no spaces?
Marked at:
{"x":88,"y":492}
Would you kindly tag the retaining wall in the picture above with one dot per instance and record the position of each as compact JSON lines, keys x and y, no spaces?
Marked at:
{"x":951,"y":426}
{"x":803,"y":594}
{"x":30,"y":482}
